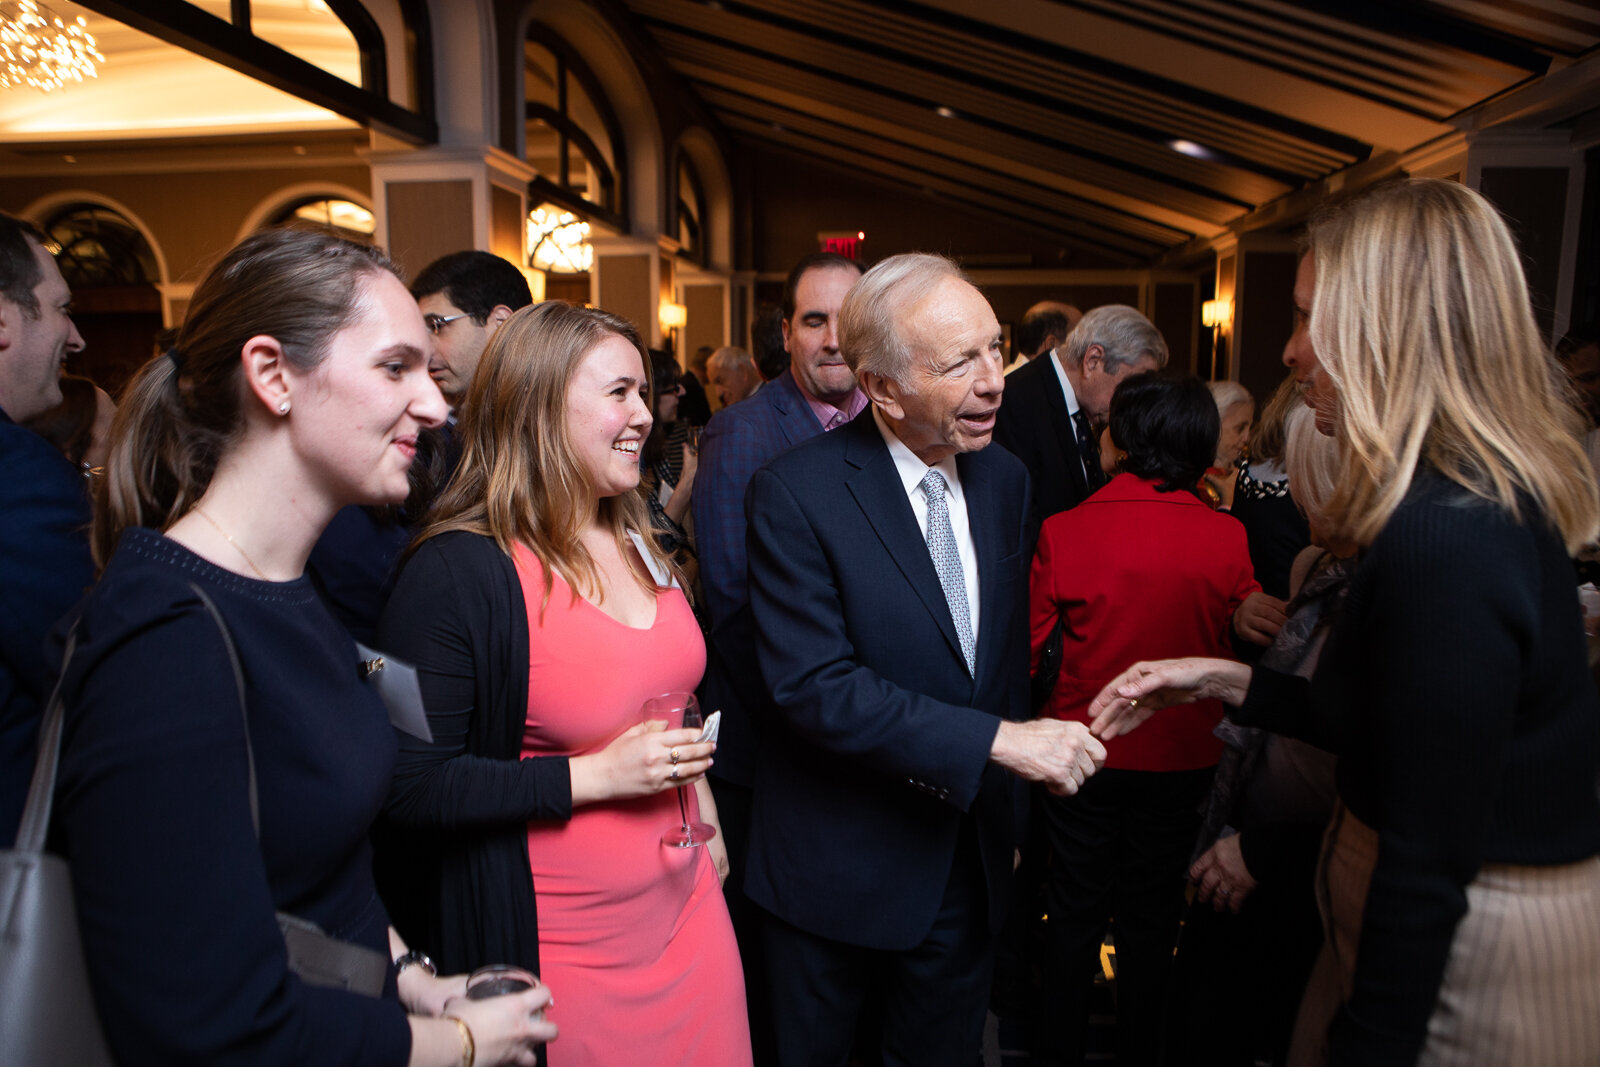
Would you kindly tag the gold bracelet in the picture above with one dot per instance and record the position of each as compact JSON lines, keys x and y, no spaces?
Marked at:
{"x":469,"y":1047}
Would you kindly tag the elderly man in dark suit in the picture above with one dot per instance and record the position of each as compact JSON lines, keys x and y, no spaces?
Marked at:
{"x":1056,"y":405}
{"x":888,"y":586}
{"x":44,"y":512}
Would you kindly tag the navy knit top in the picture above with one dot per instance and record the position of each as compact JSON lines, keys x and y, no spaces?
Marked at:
{"x":175,"y":895}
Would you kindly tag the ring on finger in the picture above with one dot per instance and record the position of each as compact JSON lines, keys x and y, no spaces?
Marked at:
{"x":674,"y":756}
{"x":674,"y":774}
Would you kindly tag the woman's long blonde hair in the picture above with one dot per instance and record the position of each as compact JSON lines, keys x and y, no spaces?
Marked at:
{"x":1421,"y":319}
{"x":519,"y":479}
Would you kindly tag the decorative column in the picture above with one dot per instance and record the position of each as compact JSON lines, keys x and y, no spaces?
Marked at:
{"x":632,"y":276}
{"x":432,"y":202}
{"x":708,"y":296}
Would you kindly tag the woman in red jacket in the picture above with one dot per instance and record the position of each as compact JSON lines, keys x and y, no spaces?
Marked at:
{"x":1142,"y":565}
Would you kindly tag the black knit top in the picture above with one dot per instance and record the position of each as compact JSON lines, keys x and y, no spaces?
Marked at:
{"x":1455,"y":690}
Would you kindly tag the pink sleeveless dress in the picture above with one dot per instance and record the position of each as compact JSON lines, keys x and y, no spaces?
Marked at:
{"x":634,"y":937}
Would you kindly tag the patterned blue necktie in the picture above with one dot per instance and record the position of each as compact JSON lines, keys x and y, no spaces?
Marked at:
{"x":947,"y":561}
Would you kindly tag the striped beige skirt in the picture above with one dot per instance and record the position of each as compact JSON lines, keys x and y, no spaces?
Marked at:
{"x":1521,"y":986}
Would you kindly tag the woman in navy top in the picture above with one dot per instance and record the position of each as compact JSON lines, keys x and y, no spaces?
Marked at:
{"x":298,"y":386}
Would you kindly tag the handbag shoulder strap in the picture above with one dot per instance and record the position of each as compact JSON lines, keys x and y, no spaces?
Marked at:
{"x":244,"y":708}
{"x":35,"y":825}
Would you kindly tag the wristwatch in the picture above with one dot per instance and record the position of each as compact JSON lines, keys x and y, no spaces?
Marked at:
{"x":417,"y":957}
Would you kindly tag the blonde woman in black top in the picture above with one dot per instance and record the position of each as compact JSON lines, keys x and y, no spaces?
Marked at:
{"x":1461,"y":881}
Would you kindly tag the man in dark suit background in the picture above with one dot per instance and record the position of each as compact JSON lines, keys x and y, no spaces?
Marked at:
{"x":815,"y":394}
{"x":1043,"y":328}
{"x":888,"y":587}
{"x":44,"y":511}
{"x":1055,"y":406}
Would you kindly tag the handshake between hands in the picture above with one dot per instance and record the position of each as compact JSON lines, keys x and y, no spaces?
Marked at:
{"x":1062,"y":755}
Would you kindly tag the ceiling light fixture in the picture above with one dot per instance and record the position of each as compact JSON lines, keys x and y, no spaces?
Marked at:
{"x":560,"y":241}
{"x":1191,"y":149}
{"x":945,"y":112}
{"x":40,"y":48}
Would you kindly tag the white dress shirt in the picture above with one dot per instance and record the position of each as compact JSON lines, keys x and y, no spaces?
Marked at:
{"x":912,"y":470}
{"x":1072,"y":408}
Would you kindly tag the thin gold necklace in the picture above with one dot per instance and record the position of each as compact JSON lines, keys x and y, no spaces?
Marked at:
{"x":229,"y":538}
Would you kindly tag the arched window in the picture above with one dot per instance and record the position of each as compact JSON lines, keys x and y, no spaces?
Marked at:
{"x":691,"y":207}
{"x":113,"y":273}
{"x":98,"y":248}
{"x":334,"y":215}
{"x":573,"y":138}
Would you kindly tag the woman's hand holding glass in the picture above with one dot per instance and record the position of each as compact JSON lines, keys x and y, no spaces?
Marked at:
{"x":639,"y":763}
{"x":680,"y":710}
{"x":505,"y":1029}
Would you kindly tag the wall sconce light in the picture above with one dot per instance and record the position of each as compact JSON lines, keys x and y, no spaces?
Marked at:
{"x":1215,"y":313}
{"x":673,"y":316}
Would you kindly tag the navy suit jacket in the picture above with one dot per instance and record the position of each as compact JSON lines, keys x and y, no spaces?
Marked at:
{"x":1034,"y":426}
{"x":879,"y":737}
{"x":44,"y":569}
{"x":739,"y":439}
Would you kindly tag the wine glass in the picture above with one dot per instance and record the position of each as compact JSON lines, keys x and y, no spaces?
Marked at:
{"x":680,"y":710}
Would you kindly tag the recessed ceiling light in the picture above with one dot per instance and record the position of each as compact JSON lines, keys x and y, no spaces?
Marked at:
{"x":1189,"y":148}
{"x":945,"y":112}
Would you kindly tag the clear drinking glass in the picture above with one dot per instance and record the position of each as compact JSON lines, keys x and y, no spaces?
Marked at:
{"x":680,"y":710}
{"x":497,"y":980}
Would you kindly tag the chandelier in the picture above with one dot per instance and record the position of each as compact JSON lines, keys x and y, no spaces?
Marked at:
{"x":560,"y":241}
{"x":40,"y":48}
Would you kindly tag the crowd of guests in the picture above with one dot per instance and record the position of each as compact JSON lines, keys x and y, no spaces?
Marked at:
{"x":1007,"y":656}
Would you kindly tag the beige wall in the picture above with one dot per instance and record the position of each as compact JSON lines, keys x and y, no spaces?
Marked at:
{"x":508,"y":225}
{"x":193,"y":216}
{"x":428,"y":220}
{"x":625,"y":290}
{"x":705,"y":304}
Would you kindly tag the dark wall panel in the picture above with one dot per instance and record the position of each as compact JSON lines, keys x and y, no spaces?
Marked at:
{"x":1263,"y":319}
{"x":1534,"y":202}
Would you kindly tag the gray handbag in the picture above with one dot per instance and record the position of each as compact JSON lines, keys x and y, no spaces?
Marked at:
{"x":47,"y":1013}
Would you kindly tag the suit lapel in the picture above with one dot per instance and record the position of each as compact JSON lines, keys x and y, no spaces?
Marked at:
{"x":796,"y":421}
{"x":875,"y":484}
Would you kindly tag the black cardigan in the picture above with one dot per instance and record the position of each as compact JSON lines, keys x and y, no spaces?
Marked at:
{"x":454,"y":858}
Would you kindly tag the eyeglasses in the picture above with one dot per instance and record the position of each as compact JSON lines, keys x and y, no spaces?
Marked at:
{"x":439,"y":322}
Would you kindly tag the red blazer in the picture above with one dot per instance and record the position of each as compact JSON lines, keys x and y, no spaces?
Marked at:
{"x":1139,"y":574}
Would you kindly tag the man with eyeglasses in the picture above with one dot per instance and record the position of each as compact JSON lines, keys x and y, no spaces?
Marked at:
{"x":464,"y":297}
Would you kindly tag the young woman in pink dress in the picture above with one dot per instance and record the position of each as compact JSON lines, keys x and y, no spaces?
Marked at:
{"x":542,"y":616}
